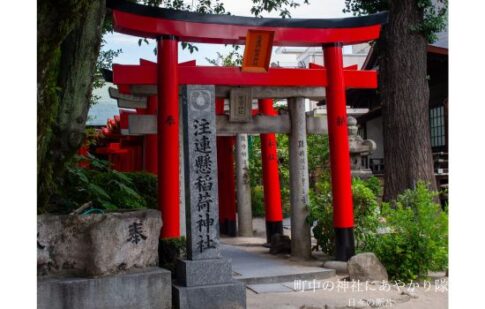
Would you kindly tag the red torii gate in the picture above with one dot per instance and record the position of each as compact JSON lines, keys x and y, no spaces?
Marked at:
{"x":227,"y":209}
{"x":171,"y":26}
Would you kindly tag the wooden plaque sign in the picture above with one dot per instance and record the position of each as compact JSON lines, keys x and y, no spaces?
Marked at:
{"x":257,"y":53}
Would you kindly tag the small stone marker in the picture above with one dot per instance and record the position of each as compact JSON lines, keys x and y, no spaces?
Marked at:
{"x":204,"y":279}
{"x":240,"y":105}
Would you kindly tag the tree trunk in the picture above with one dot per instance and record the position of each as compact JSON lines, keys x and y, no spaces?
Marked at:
{"x":405,"y":101}
{"x":69,"y":37}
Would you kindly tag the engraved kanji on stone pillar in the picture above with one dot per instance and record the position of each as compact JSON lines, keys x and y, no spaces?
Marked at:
{"x":200,"y":172}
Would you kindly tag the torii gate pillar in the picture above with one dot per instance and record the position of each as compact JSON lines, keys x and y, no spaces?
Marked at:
{"x":343,"y":217}
{"x":225,"y":174}
{"x":271,"y":180}
{"x":228,"y":186}
{"x":168,"y":135}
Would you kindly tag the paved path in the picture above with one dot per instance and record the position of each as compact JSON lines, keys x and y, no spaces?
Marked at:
{"x":252,"y":264}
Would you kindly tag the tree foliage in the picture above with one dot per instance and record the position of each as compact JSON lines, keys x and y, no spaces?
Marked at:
{"x":318,"y":164}
{"x":434,"y":14}
{"x":105,"y":188}
{"x":281,"y":6}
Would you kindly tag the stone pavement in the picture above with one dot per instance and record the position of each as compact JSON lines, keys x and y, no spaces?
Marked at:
{"x":252,"y":264}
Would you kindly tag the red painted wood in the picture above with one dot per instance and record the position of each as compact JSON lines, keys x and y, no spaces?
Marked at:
{"x":124,"y":118}
{"x":221,"y":164}
{"x":233,"y":76}
{"x":338,"y":139}
{"x":230,"y":178}
{"x":153,"y":27}
{"x":271,"y":180}
{"x":168,"y":137}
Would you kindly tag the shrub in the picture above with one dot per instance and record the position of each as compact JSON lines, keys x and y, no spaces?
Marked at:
{"x":321,"y":211}
{"x":366,"y":214}
{"x":256,"y":174}
{"x":146,"y":184}
{"x":257,"y":201}
{"x":121,"y":191}
{"x":106,"y":188}
{"x":418,"y":238}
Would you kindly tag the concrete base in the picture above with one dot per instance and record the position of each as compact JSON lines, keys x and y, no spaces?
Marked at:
{"x":148,"y":288}
{"x":218,"y":296}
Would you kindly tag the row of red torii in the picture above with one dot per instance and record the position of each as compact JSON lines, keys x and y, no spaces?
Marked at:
{"x":160,"y":82}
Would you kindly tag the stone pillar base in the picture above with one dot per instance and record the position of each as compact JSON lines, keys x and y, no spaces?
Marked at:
{"x":207,"y":284}
{"x":148,"y":288}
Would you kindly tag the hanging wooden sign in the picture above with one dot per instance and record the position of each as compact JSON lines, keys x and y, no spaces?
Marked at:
{"x":257,"y":53}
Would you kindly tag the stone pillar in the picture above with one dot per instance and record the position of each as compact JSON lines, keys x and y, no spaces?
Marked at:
{"x":300,"y":229}
{"x":183,"y":227}
{"x":244,"y":211}
{"x":204,"y":279}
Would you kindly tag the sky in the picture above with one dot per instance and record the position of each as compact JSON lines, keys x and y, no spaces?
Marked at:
{"x":131,"y":52}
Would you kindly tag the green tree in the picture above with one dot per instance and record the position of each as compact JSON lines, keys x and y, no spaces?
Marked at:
{"x":403,"y":87}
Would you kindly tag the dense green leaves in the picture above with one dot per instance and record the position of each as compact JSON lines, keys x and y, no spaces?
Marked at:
{"x":434,"y":14}
{"x":366,"y":214}
{"x":106,"y":188}
{"x":417,"y":240}
{"x":318,"y":160}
